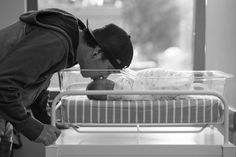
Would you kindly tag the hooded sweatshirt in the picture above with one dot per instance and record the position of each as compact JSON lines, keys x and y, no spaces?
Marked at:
{"x":38,"y":45}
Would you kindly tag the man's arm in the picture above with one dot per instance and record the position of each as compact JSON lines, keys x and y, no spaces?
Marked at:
{"x":36,"y":55}
{"x":39,"y":107}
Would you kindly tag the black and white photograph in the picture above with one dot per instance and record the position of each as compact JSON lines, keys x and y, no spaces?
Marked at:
{"x":117,"y":78}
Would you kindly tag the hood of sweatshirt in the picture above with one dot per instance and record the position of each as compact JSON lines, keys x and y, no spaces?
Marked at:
{"x":60,"y":21}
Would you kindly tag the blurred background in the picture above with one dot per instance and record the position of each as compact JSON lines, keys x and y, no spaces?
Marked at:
{"x":161,"y":30}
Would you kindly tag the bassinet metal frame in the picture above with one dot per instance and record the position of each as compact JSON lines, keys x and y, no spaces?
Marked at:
{"x":224,"y":123}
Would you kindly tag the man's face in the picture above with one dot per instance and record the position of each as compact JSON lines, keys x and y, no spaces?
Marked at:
{"x":93,"y":65}
{"x":95,"y":73}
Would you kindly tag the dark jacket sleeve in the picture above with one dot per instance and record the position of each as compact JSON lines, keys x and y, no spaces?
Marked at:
{"x":39,"y":53}
{"x":39,"y":107}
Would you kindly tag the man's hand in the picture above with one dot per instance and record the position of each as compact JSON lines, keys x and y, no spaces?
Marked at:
{"x":48,"y":135}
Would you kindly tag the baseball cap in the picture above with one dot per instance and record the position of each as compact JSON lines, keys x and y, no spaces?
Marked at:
{"x":115,"y":43}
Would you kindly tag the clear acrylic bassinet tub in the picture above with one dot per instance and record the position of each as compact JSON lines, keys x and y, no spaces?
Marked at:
{"x":148,"y":79}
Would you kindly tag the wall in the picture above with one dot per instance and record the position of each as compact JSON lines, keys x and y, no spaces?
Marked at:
{"x":10,"y":10}
{"x":221,"y":41}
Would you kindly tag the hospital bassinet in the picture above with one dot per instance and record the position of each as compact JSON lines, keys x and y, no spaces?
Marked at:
{"x":201,"y":104}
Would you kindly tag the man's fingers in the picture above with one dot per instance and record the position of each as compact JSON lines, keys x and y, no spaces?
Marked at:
{"x":58,"y":132}
{"x":48,"y":135}
{"x":55,"y":130}
{"x":52,"y":137}
{"x":54,"y":133}
{"x":46,"y":142}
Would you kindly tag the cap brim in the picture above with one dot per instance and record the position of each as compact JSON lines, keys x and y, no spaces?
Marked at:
{"x":90,"y":31}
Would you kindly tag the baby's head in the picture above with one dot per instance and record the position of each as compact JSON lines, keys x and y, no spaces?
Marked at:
{"x":100,"y":84}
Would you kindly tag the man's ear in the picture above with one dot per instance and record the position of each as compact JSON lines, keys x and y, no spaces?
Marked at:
{"x":97,"y":53}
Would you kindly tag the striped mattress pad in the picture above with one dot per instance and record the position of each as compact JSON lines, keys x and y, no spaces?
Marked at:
{"x":190,"y":110}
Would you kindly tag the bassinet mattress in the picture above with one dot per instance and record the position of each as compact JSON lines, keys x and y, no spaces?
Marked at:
{"x":189,"y":110}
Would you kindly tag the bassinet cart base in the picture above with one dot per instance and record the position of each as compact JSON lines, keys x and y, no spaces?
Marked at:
{"x":207,"y":143}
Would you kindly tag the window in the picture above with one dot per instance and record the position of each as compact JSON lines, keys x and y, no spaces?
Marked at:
{"x":161,"y":30}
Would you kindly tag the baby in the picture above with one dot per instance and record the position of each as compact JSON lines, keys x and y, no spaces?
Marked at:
{"x":100,"y":84}
{"x":148,"y":79}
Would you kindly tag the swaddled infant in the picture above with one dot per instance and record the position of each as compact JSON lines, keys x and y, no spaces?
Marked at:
{"x":148,"y":79}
